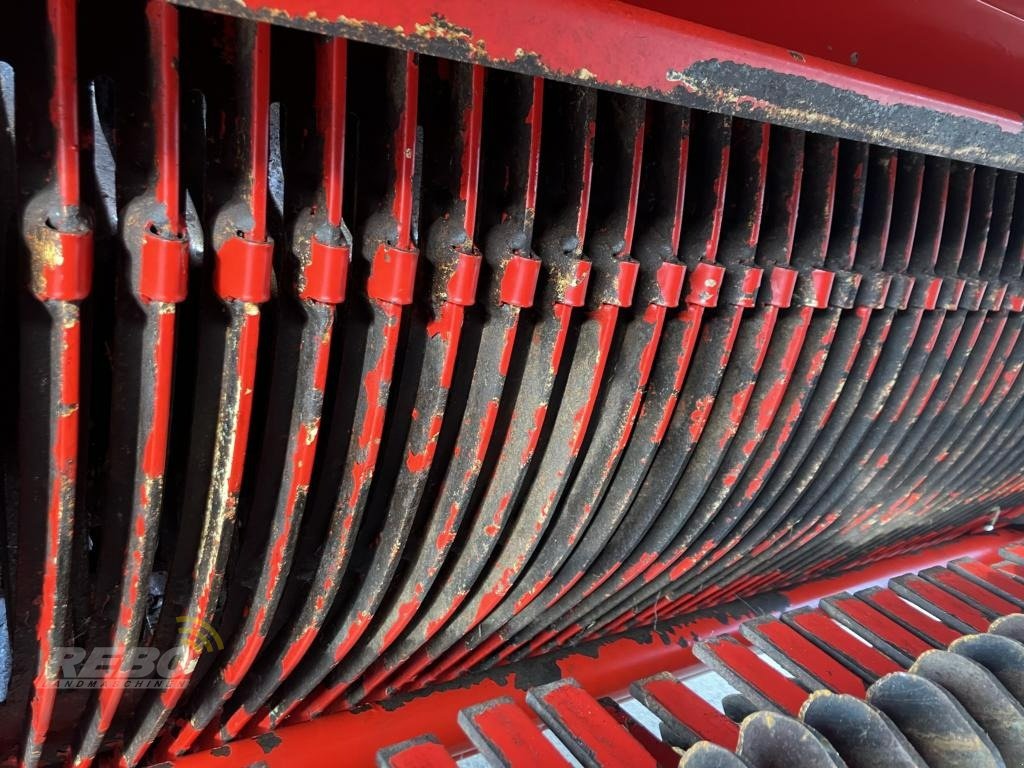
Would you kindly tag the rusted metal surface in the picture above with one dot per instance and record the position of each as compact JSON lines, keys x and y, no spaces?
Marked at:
{"x":664,"y":57}
{"x":392,"y":367}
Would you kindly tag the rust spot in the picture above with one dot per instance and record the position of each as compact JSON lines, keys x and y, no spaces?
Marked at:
{"x":268,"y":742}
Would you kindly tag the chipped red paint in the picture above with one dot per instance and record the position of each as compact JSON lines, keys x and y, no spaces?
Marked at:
{"x":247,"y":283}
{"x":691,"y":318}
{"x":497,"y":552}
{"x":64,"y":454}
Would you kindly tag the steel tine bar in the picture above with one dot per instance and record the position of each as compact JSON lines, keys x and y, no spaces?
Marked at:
{"x":801,"y":658}
{"x":456,"y":263}
{"x":984,"y":575}
{"x":58,"y":237}
{"x":937,"y":601}
{"x":664,"y":755}
{"x":242,"y":282}
{"x":619,"y":147}
{"x":972,"y":593}
{"x":883,"y":632}
{"x":621,"y":425}
{"x":514,"y":124}
{"x":745,"y":671}
{"x":687,"y":717}
{"x":589,"y":732}
{"x":320,"y":242}
{"x":858,"y":655}
{"x":507,"y":737}
{"x":388,"y":246}
{"x":561,"y":226}
{"x":419,"y":752}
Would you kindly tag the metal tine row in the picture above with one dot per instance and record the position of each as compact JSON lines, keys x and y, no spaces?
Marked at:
{"x":242,"y":268}
{"x":321,"y":243}
{"x":929,"y":380}
{"x":999,"y":249}
{"x":455,"y":264}
{"x":385,"y":257}
{"x":859,"y":339}
{"x":722,"y":335}
{"x":893,"y":333}
{"x":706,"y":176}
{"x":1010,"y":258}
{"x":784,"y":398}
{"x":934,"y":413}
{"x":611,"y":221}
{"x":831,"y":346}
{"x":883,"y":693}
{"x":446,"y":482}
{"x":583,"y":525}
{"x":712,"y":474}
{"x":983,"y":360}
{"x":562,"y":215}
{"x":508,"y":225}
{"x":705,"y":524}
{"x":728,"y":417}
{"x":659,"y":229}
{"x":847,"y":331}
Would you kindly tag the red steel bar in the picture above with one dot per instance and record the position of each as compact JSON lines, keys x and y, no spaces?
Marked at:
{"x":656,"y":53}
{"x":60,"y":280}
{"x":157,"y":235}
{"x":242,"y":282}
{"x":389,"y":286}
